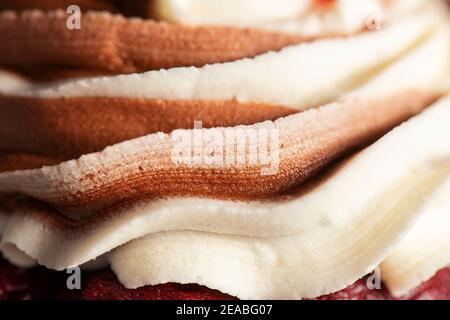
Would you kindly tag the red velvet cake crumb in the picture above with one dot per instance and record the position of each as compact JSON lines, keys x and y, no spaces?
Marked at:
{"x":41,"y":283}
{"x":37,"y":283}
{"x":437,"y":288}
{"x":105,"y":286}
{"x":359,"y":291}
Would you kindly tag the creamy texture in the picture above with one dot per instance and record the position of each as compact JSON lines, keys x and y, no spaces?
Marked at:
{"x":307,"y":75}
{"x":434,"y":53}
{"x":393,"y":177}
{"x":305,"y":17}
{"x":425,"y":249}
{"x":388,"y":204}
{"x":230,"y":12}
{"x":10,"y":82}
{"x":350,"y":16}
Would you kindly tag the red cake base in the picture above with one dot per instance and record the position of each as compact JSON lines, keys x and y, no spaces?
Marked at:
{"x":41,"y":283}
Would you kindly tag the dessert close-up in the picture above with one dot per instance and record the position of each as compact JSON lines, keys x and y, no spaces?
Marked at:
{"x":225,"y":149}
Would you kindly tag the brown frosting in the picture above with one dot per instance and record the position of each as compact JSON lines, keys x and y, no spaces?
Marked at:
{"x":109,"y":43}
{"x":66,"y":128}
{"x":142,"y":169}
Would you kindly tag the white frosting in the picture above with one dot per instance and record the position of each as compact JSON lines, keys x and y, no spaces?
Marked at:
{"x":230,"y":12}
{"x":365,"y":208}
{"x":424,"y":250}
{"x":11,"y":82}
{"x":427,"y":67}
{"x":326,"y":257}
{"x":347,"y":16}
{"x":16,"y":256}
{"x":291,"y":16}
